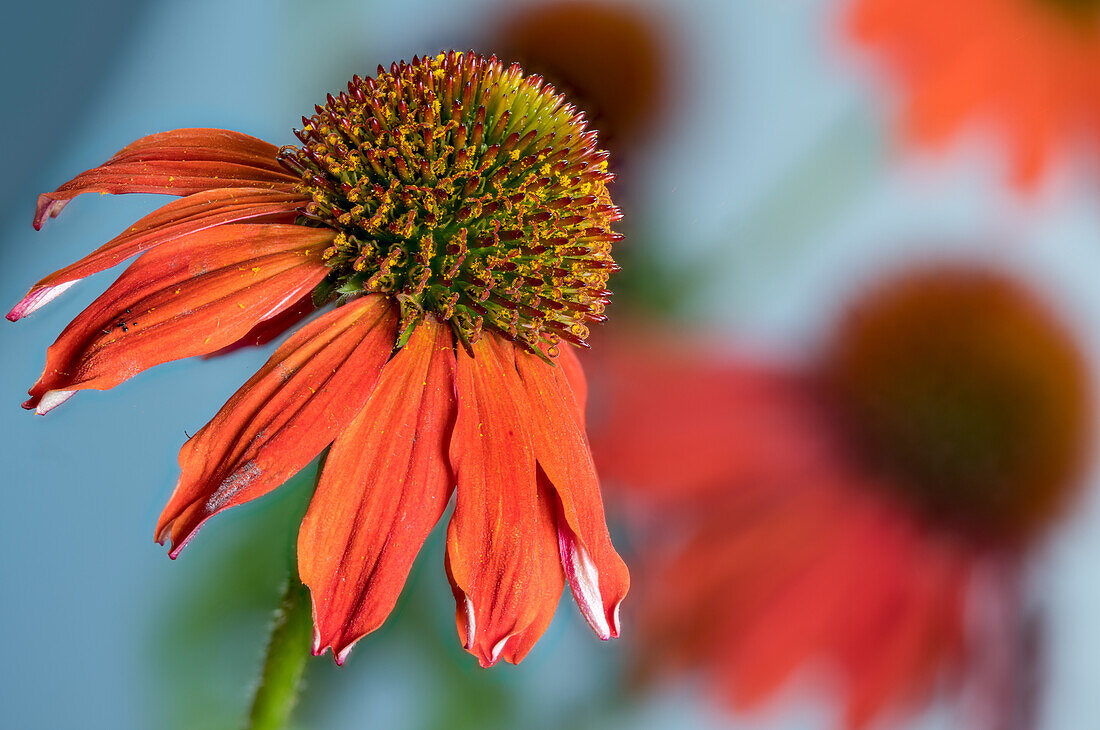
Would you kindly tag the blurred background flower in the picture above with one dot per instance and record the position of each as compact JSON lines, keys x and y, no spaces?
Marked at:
{"x":762,"y":195}
{"x":1031,"y":74}
{"x":867,"y":516}
{"x":615,"y":60}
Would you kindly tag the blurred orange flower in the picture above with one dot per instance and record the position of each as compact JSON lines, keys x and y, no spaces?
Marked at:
{"x":456,"y":212}
{"x":1031,"y":68}
{"x":865,"y":517}
{"x":612,"y":58}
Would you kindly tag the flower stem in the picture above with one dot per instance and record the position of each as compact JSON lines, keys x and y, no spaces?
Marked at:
{"x":285,"y":661}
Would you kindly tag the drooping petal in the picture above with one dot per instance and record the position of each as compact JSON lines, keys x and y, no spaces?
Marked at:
{"x":298,"y":402}
{"x":913,"y":630}
{"x":187,"y":297}
{"x":596,"y":573}
{"x":545,"y":602}
{"x":385,"y":484}
{"x":180,"y":162}
{"x":552,"y":576}
{"x":268,"y":329}
{"x":176,"y":219}
{"x":574,"y":373}
{"x":492,"y":538}
{"x":783,"y":634}
{"x":752,"y":542}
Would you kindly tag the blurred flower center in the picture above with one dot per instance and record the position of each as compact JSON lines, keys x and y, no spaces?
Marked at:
{"x":1085,"y":11}
{"x":466,"y":190}
{"x":968,"y":394}
{"x":612,"y":57}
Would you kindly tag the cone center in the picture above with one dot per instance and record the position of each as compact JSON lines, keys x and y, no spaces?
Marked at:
{"x":969,"y":399}
{"x":465,"y":189}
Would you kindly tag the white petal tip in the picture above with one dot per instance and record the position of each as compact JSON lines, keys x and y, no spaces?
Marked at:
{"x":498,"y":648}
{"x":584,"y":579}
{"x":342,"y":655}
{"x":52,"y":399}
{"x":471,"y":624}
{"x":37,"y":299}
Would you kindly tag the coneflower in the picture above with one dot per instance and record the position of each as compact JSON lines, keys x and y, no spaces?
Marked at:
{"x":456,"y":212}
{"x":868,"y":514}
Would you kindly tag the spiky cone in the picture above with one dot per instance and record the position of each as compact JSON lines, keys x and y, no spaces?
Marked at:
{"x":866,"y":516}
{"x":456,"y":212}
{"x":1032,"y":75}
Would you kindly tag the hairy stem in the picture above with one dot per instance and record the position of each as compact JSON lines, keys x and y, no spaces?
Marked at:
{"x":285,"y":661}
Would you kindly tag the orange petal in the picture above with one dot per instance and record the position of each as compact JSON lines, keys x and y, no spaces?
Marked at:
{"x":188,"y":297}
{"x":596,"y":573}
{"x":385,"y":484}
{"x":574,"y":373}
{"x":174,"y":220}
{"x":553,"y":578}
{"x":915,"y":641}
{"x":306,"y":394}
{"x":180,"y":162}
{"x":492,"y":541}
{"x":786,"y":634}
{"x":268,"y":329}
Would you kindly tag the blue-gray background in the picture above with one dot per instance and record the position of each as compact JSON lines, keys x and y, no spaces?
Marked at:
{"x":775,"y":167}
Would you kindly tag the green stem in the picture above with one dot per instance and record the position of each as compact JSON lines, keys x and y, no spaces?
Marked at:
{"x":285,"y":662}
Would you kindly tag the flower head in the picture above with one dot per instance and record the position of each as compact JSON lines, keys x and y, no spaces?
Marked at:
{"x":464,"y":189}
{"x":1033,"y":71}
{"x":867,"y":514}
{"x":457,"y":213}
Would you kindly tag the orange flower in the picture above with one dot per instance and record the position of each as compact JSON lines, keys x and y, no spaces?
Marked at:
{"x":458,"y":214}
{"x":1030,"y":67}
{"x":869,"y":515}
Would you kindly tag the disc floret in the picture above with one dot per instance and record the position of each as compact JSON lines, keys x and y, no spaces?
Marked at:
{"x":466,"y":190}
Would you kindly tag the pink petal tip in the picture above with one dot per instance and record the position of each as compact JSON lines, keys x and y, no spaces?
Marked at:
{"x":37,"y":299}
{"x":47,"y":208}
